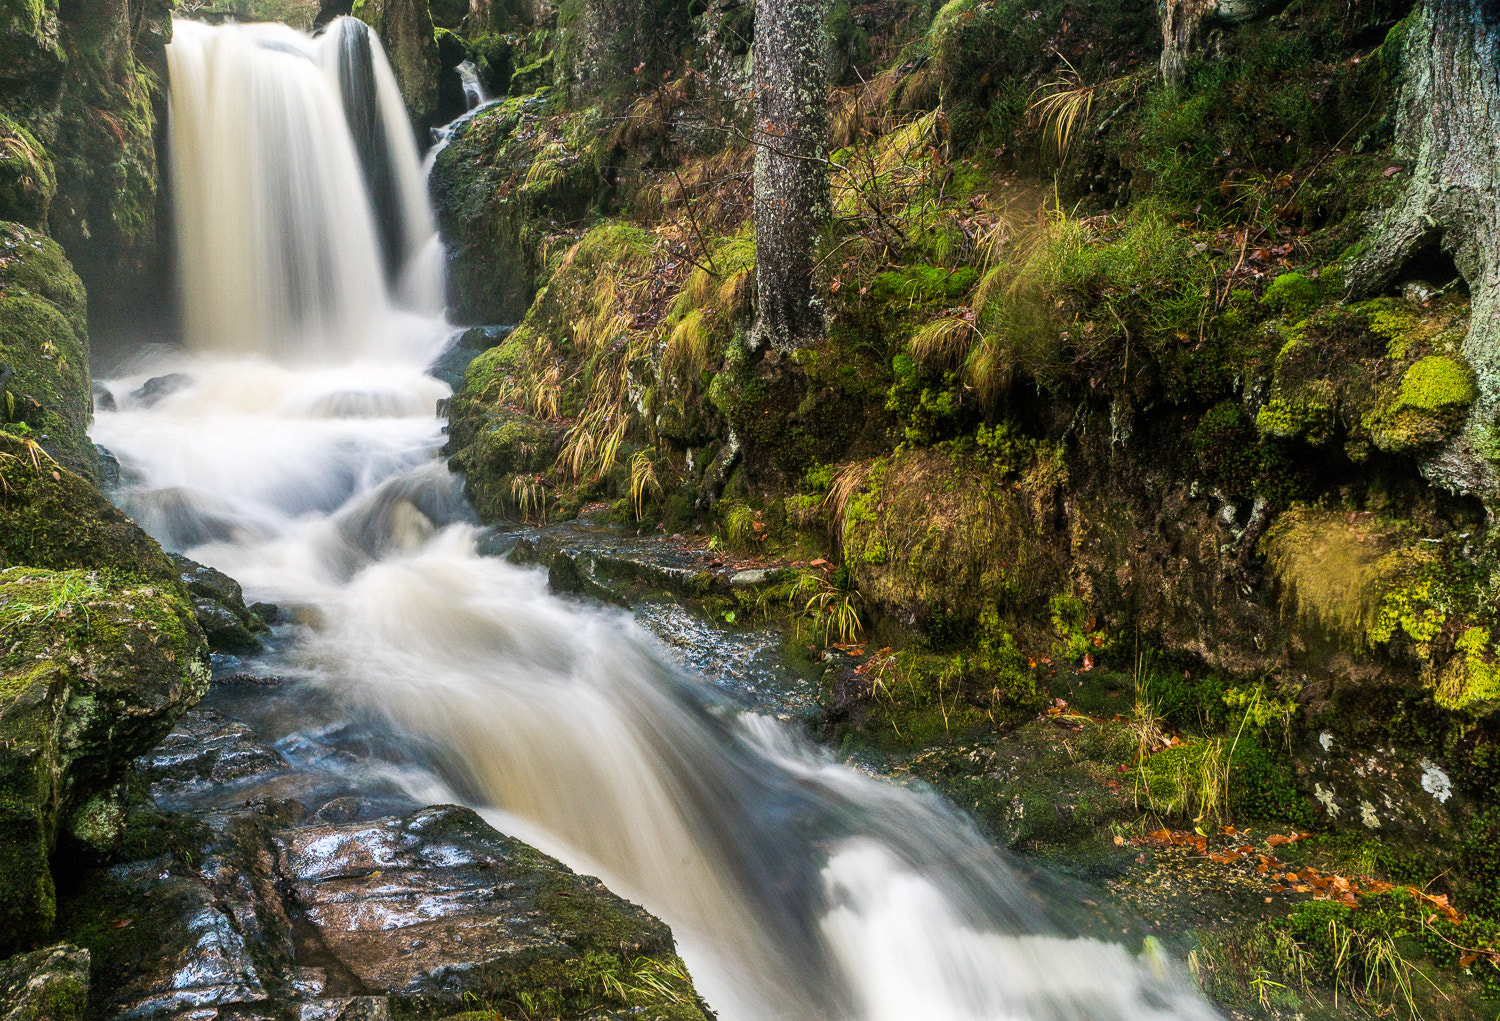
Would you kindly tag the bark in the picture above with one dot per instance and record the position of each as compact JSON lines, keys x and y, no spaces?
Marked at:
{"x":792,"y":204}
{"x":1448,"y":132}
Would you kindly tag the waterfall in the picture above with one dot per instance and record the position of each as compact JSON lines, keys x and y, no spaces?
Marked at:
{"x":297,"y":194}
{"x":468,"y":77}
{"x":299,"y":454}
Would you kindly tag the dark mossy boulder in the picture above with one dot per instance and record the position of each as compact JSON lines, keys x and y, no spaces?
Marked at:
{"x":44,"y":362}
{"x":52,"y":518}
{"x":1425,"y":408}
{"x":500,"y":925}
{"x":28,"y":181}
{"x":99,"y":112}
{"x":406,"y":30}
{"x":500,"y":186}
{"x":45,"y":985}
{"x":94,"y":673}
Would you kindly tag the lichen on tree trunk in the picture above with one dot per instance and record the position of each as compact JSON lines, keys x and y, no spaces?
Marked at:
{"x":1448,"y":130}
{"x":791,"y":169}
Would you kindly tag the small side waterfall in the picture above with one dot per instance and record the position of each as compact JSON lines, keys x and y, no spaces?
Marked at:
{"x":468,"y":77}
{"x":298,"y":452}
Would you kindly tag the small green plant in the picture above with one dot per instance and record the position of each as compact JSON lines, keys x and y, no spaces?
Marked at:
{"x":1061,"y":106}
{"x":829,"y":608}
{"x":53,"y":597}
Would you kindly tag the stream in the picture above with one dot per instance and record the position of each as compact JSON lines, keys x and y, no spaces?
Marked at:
{"x":291,"y":442}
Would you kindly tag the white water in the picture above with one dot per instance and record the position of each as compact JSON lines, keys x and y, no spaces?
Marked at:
{"x":301,"y":460}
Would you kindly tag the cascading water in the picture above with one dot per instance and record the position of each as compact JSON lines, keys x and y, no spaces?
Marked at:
{"x":299,"y":456}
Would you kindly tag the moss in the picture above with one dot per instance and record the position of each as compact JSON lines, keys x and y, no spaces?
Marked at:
{"x":925,"y":284}
{"x":950,"y":535}
{"x":28,"y":181}
{"x":49,"y":517}
{"x":1436,"y":384}
{"x":43,"y":347}
{"x":1293,"y":294}
{"x":1471,"y":680}
{"x":1424,"y":409}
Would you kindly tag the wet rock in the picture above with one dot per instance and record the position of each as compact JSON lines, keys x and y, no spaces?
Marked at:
{"x":157,"y":388}
{"x":109,"y":468}
{"x":340,"y":810}
{"x":224,"y":631}
{"x":204,"y":748}
{"x":220,"y":607}
{"x":45,"y":985}
{"x":243,"y":680}
{"x":268,"y":612}
{"x":104,"y":400}
{"x":617,"y":569}
{"x":170,"y":945}
{"x":352,"y":1008}
{"x":266,"y":913}
{"x":438,"y":902}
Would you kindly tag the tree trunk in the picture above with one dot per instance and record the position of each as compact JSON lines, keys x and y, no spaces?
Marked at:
{"x":791,"y":169}
{"x":1448,"y":131}
{"x":1183,"y":23}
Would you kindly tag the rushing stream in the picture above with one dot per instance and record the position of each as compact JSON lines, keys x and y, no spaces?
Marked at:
{"x":295,"y":448}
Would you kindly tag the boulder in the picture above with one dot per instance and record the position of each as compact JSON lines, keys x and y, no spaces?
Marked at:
{"x":45,"y":985}
{"x":52,"y":518}
{"x":28,"y":181}
{"x":406,"y":30}
{"x":219,"y":604}
{"x":30,"y":39}
{"x":92,"y":673}
{"x":272,"y":912}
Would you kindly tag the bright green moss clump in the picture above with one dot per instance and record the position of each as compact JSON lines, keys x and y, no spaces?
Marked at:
{"x":1425,"y":408}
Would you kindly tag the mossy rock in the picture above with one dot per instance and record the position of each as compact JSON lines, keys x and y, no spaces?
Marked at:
{"x":94,"y":674}
{"x":933,"y":531}
{"x":44,"y":348}
{"x":1425,"y":408}
{"x":45,"y":985}
{"x":50,"y":517}
{"x":406,"y":29}
{"x":28,"y":181}
{"x":30,"y":39}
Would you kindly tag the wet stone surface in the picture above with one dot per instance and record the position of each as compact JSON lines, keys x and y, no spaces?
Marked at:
{"x":206,"y":748}
{"x":282,"y":916}
{"x":290,"y":880}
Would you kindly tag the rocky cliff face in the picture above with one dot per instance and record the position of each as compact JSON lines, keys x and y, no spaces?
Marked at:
{"x":87,"y":86}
